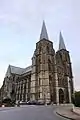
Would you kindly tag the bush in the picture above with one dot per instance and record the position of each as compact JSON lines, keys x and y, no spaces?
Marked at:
{"x":77,"y":99}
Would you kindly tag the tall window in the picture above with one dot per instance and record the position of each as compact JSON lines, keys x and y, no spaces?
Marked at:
{"x":50,"y":80}
{"x":39,"y":95}
{"x":47,"y":49}
{"x":39,"y":59}
{"x":40,"y":49}
{"x":39,"y":82}
{"x":49,"y":64}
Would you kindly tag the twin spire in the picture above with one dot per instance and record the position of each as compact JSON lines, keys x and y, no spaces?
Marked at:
{"x":61,"y":42}
{"x":44,"y":35}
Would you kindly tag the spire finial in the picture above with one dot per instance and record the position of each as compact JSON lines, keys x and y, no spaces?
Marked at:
{"x":44,"y":32}
{"x":61,"y":42}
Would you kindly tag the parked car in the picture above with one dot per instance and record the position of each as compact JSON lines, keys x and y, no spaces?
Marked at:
{"x":28,"y":102}
{"x":33,"y":102}
{"x":49,"y":103}
{"x":18,"y":103}
{"x":7,"y":102}
{"x":23,"y":103}
{"x":40,"y":103}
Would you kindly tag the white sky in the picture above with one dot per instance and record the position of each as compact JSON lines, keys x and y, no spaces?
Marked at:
{"x":20,"y":25}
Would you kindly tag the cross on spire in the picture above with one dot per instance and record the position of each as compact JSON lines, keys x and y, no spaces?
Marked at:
{"x":44,"y":32}
{"x":61,"y":42}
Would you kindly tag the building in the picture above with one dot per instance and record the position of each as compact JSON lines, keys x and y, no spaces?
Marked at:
{"x":48,"y":79}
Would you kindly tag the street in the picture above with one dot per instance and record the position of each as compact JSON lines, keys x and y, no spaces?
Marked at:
{"x":30,"y":113}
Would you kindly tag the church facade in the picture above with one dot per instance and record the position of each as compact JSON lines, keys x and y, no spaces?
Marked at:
{"x":48,"y":79}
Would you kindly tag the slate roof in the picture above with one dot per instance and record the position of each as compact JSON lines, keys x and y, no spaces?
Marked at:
{"x":61,"y":43}
{"x":17,"y":70}
{"x":26,"y":70}
{"x":44,"y":32}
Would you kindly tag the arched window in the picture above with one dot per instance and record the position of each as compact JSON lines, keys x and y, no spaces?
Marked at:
{"x":38,"y":94}
{"x":50,"y":80}
{"x":40,"y":49}
{"x":47,"y":49}
{"x":60,"y":55}
{"x":49,"y":64}
{"x":39,"y":82}
{"x":39,"y":59}
{"x":49,"y":61}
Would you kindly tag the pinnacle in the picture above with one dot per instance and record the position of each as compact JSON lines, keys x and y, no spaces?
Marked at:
{"x":61,"y":42}
{"x":44,"y":32}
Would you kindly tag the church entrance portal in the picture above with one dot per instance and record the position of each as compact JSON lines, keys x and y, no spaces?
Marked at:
{"x":61,"y":96}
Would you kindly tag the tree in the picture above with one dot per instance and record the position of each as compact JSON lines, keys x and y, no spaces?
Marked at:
{"x":77,"y":99}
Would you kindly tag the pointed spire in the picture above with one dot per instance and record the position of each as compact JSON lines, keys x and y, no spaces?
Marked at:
{"x":44,"y":32}
{"x":61,"y":42}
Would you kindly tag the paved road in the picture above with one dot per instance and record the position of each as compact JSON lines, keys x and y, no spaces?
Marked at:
{"x":30,"y":113}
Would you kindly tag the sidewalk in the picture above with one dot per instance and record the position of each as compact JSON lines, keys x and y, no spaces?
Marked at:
{"x":5,"y":108}
{"x":76,"y":110}
{"x":67,"y":113}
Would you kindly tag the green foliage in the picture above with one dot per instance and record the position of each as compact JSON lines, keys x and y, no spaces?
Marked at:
{"x":8,"y":102}
{"x":77,"y":99}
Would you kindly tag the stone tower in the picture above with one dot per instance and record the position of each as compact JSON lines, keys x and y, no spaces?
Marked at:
{"x":64,"y":73}
{"x":43,"y":70}
{"x":51,"y":77}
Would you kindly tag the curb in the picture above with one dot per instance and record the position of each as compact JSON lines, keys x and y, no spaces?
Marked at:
{"x":74,"y":111}
{"x":65,"y":116}
{"x":5,"y":109}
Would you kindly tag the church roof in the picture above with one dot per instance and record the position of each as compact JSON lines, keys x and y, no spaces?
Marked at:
{"x":17,"y":70}
{"x":44,"y":32}
{"x":28,"y":69}
{"x":61,"y":43}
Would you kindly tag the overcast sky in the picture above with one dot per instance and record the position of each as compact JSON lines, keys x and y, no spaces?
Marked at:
{"x":20,"y":26}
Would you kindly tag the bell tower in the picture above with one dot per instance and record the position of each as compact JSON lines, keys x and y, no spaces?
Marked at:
{"x":64,"y":71}
{"x":44,"y":69}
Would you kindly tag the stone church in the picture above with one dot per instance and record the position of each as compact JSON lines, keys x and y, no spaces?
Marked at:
{"x":48,"y":79}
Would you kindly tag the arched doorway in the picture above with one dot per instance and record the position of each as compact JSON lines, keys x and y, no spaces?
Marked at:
{"x":61,"y":96}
